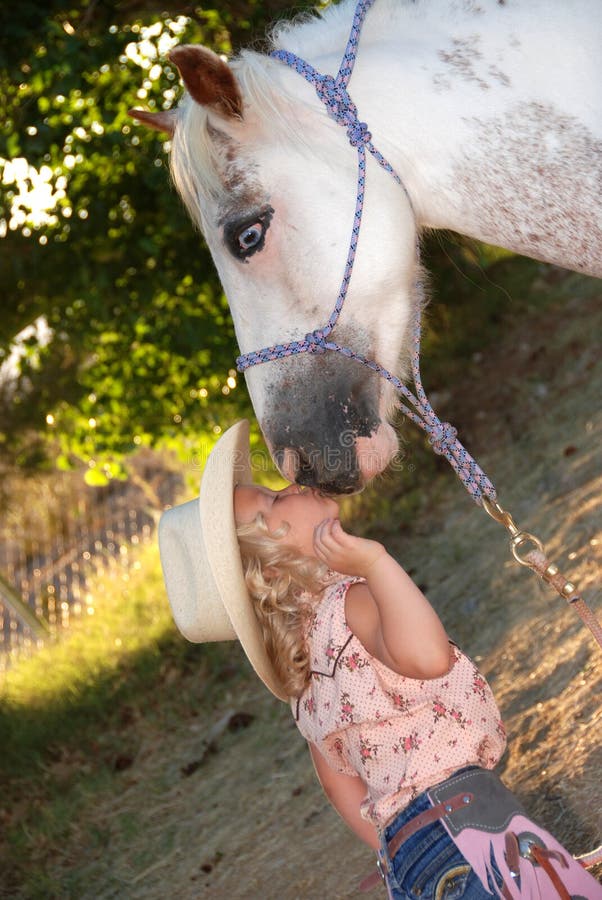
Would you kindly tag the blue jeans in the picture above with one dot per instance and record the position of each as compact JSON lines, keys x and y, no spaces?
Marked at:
{"x":429,"y":866}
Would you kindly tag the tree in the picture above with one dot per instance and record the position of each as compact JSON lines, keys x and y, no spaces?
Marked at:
{"x":134,"y":342}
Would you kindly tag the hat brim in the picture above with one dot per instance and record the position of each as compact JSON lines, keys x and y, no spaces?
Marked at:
{"x":194,"y":600}
{"x":228,"y":465}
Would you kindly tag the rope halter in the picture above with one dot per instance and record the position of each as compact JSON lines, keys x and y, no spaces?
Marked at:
{"x":340,"y":107}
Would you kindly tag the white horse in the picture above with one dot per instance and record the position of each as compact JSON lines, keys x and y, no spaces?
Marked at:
{"x":491,"y":113}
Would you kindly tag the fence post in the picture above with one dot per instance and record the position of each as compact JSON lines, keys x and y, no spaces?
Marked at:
{"x":11,"y":598}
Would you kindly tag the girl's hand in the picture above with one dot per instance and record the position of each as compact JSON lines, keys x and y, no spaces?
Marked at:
{"x":344,"y":552}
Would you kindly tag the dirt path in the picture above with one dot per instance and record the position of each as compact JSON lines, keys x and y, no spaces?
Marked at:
{"x":250,"y":820}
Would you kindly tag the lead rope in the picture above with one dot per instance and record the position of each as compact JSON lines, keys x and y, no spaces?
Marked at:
{"x":442,"y":435}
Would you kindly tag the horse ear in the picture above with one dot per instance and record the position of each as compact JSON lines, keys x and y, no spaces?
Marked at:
{"x":160,"y":121}
{"x":208,"y":79}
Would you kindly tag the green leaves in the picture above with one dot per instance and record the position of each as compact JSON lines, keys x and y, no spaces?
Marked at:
{"x":96,"y":246}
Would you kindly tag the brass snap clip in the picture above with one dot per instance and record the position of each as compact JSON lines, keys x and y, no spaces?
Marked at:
{"x":519,"y":539}
{"x":528,"y":550}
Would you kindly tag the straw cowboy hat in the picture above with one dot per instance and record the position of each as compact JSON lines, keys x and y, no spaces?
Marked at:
{"x":201,"y":561}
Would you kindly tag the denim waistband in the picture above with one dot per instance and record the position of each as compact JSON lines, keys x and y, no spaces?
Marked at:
{"x":417,"y":805}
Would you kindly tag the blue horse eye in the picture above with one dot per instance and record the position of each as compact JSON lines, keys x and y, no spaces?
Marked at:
{"x":245,"y":237}
{"x":251,"y":236}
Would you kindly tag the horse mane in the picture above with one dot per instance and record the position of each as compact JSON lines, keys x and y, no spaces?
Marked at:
{"x":315,"y":33}
{"x":200,"y":153}
{"x":199,"y":150}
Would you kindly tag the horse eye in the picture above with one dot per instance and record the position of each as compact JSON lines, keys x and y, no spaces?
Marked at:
{"x":244,"y":238}
{"x":250,"y":237}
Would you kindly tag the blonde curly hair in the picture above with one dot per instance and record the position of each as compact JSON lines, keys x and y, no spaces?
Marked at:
{"x":284,"y":587}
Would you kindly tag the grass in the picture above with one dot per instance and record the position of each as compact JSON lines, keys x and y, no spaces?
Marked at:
{"x":73,"y":718}
{"x":67,"y":684}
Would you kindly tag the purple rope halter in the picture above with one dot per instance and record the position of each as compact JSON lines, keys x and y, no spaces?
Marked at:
{"x":442,"y":436}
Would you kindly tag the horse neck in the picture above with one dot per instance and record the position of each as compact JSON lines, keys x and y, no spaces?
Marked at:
{"x":395,"y":87}
{"x":443,"y":87}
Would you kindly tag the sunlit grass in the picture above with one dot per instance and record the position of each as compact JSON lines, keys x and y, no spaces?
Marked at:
{"x":116,"y":665}
{"x":46,"y":697}
{"x":75,"y":716}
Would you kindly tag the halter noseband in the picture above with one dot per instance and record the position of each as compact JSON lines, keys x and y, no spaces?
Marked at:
{"x":442,"y":436}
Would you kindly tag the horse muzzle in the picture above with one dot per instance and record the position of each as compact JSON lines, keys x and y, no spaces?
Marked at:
{"x":337,"y":452}
{"x":323,"y":468}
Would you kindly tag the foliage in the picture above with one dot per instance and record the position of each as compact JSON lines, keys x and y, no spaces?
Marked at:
{"x":135,"y":343}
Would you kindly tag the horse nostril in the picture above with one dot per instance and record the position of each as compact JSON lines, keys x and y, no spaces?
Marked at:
{"x":305,"y":469}
{"x":314,"y":476}
{"x":287,"y":461}
{"x":346,"y":485}
{"x":305,"y":472}
{"x":319,"y":471}
{"x":298,"y":466}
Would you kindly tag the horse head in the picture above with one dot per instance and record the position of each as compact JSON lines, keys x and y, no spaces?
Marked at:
{"x":271,"y":181}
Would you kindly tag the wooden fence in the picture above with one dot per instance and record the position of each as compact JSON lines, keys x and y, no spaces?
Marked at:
{"x":57,"y":533}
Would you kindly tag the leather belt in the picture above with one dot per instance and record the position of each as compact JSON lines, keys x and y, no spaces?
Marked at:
{"x":458,"y":801}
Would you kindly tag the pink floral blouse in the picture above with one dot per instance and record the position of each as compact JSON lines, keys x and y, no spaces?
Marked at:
{"x":400,"y":735}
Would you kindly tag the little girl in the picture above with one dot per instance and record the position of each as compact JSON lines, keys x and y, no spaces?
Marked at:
{"x":402,"y":728}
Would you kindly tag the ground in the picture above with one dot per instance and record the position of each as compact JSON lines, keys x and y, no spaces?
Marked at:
{"x":221,"y":801}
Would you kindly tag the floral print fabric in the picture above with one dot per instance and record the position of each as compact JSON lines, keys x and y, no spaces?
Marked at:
{"x":400,"y":735}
